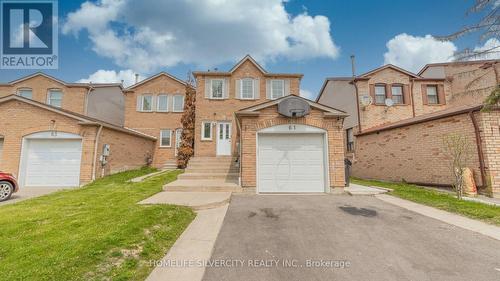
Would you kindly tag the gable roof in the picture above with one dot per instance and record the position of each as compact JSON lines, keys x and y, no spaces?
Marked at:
{"x":36,"y":74}
{"x":456,"y":63}
{"x":328,"y":79}
{"x":250,"y":59}
{"x":330,"y":110}
{"x":85,"y":120}
{"x":154,"y":77}
{"x":369,"y":73}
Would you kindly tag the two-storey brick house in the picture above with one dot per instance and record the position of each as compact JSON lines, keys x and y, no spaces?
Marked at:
{"x":398,"y":120}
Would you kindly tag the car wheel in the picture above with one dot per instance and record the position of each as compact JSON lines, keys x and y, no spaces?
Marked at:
{"x":6,"y":190}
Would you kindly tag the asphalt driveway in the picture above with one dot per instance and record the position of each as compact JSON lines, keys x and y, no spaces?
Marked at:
{"x":327,"y":237}
{"x":30,"y":192}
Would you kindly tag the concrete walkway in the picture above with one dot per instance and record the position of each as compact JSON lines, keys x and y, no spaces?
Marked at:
{"x":195,"y":200}
{"x":453,"y":219}
{"x":356,"y":189}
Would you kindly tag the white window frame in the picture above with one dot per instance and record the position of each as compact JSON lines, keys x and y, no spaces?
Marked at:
{"x":49,"y":96}
{"x":212,"y":89}
{"x":253,"y":89}
{"x":173,"y":103}
{"x":161,"y":137}
{"x":158,"y":103}
{"x":273,"y":97}
{"x":203,"y":137}
{"x":25,"y":89}
{"x":142,"y":102}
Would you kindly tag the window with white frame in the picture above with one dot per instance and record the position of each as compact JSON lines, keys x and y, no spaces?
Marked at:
{"x":397,"y":94}
{"x":165,"y":138}
{"x":277,"y":89}
{"x":146,"y":103}
{"x":350,"y":140}
{"x":432,"y":94}
{"x":217,"y":89}
{"x":162,"y":103}
{"x":247,"y":89}
{"x":25,"y":93}
{"x":380,"y":94}
{"x":54,"y":97}
{"x":178,"y":103}
{"x":206,"y":130}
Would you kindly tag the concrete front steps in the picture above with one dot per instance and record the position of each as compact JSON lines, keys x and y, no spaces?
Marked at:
{"x":169,"y":165}
{"x":203,"y":174}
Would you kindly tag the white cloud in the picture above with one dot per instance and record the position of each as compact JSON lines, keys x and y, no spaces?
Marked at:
{"x":489,"y":51}
{"x":111,"y":76}
{"x":413,"y":52}
{"x":151,"y":34}
{"x":307,"y":94}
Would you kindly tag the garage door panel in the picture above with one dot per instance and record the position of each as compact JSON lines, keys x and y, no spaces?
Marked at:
{"x":291,"y":163}
{"x":53,"y":163}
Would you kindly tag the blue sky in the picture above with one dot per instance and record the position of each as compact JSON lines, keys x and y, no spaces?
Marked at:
{"x":363,"y":28}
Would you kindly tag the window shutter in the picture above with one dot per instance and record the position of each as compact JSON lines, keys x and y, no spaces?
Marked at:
{"x":256,"y":89}
{"x":372,"y":92}
{"x":207,"y":87}
{"x":153,"y":103}
{"x":388,"y":91}
{"x":225,"y":90}
{"x":441,"y":94}
{"x":406,"y":94}
{"x":287,"y":87}
{"x":170,"y":103}
{"x":424,"y":94}
{"x":139,"y":103}
{"x":268,"y":89}
{"x":237,"y":89}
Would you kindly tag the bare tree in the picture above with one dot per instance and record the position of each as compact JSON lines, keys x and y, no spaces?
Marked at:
{"x":186,"y":149}
{"x":487,"y":27}
{"x":458,"y":149}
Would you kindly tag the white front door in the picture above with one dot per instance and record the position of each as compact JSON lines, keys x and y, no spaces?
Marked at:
{"x":52,"y":162}
{"x":223,"y":138}
{"x":291,"y":163}
{"x":178,"y":135}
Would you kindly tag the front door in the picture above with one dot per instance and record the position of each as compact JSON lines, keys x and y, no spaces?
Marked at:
{"x":178,"y":135}
{"x":223,"y":138}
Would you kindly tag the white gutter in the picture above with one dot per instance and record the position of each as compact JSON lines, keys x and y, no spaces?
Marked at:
{"x":96,"y":143}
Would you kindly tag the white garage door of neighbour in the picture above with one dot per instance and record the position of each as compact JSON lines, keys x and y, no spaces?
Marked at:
{"x":291,"y":163}
{"x":53,"y":163}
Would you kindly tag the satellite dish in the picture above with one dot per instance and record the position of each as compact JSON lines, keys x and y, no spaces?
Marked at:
{"x":365,"y":100}
{"x":389,"y":102}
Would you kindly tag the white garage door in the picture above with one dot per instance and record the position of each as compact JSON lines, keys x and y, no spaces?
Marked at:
{"x":291,"y":163}
{"x":52,"y":162}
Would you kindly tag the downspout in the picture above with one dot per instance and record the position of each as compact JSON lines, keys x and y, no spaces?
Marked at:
{"x":479,"y":149}
{"x":96,"y":143}
{"x":411,"y":96}
{"x":357,"y":103}
{"x":86,"y":105}
{"x":238,"y":125}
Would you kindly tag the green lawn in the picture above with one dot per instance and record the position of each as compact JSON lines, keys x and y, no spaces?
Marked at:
{"x":440,"y":200}
{"x":93,"y":233}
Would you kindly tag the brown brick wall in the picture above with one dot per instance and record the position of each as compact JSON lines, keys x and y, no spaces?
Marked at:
{"x":127,"y":152}
{"x":413,"y":153}
{"x":152,"y":122}
{"x":269,"y":117}
{"x":489,"y":123}
{"x":223,"y":110}
{"x":73,"y":97}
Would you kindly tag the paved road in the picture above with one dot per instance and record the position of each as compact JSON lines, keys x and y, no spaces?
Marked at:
{"x":30,"y":192}
{"x":380,"y":241}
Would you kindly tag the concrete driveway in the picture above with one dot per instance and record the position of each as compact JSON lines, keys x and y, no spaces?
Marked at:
{"x":326,"y":237}
{"x":30,"y":192}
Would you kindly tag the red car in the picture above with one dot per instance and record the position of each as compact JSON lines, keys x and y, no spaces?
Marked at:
{"x":8,"y":186}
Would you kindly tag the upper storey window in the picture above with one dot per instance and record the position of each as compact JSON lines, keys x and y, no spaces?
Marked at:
{"x":217,"y":89}
{"x":397,"y":94}
{"x":277,"y":89}
{"x":247,"y":91}
{"x":54,"y":97}
{"x":432,"y":94}
{"x":380,"y":94}
{"x":25,"y":93}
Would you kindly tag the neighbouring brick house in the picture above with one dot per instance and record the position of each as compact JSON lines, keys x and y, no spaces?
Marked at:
{"x":268,"y":138}
{"x":402,"y":139}
{"x":53,"y":133}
